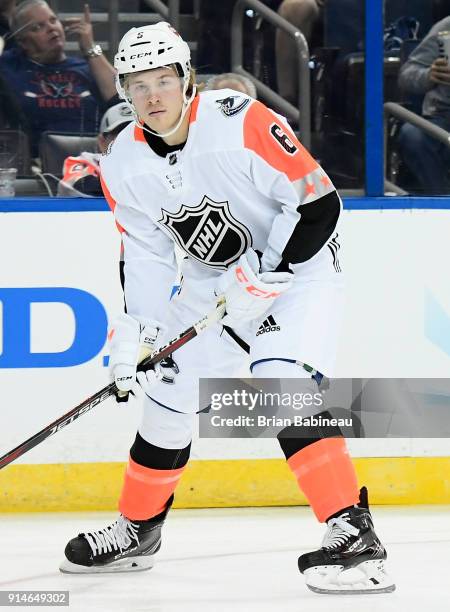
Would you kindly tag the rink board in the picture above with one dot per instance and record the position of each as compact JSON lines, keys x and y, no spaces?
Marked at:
{"x":62,"y":290}
{"x":218,"y":484}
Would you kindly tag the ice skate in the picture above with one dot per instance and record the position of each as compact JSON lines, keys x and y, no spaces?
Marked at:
{"x":124,"y":546}
{"x":352,"y":557}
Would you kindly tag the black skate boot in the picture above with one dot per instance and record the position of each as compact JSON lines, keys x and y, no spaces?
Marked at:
{"x":352,"y":557}
{"x":124,"y":546}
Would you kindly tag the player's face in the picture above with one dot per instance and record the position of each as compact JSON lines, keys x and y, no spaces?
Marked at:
{"x":157,"y":96}
{"x":43,"y":37}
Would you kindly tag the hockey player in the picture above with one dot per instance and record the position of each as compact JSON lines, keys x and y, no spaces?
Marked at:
{"x":81,"y":174}
{"x":225,"y":179}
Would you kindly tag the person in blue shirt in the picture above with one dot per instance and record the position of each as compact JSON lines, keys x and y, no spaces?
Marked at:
{"x":56,"y":92}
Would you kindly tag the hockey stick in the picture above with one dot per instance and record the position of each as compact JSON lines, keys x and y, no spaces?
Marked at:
{"x":111,"y":389}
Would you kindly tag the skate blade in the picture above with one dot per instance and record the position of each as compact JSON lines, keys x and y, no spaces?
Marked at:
{"x":129,"y":564}
{"x":366,"y":578}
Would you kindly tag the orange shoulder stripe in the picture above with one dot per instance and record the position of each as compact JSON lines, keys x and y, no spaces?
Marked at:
{"x":271,"y":139}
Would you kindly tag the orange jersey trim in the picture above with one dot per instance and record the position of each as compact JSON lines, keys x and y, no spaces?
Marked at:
{"x":111,"y":201}
{"x":194,"y":109}
{"x":139,"y":134}
{"x":263,"y":132}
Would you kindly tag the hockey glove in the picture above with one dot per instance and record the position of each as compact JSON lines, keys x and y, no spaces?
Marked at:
{"x":164,"y":370}
{"x":132,"y":341}
{"x":248,"y":292}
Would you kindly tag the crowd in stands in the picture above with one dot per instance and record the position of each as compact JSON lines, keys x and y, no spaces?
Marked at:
{"x":45,"y":89}
{"x":53,"y":91}
{"x":426,"y":73}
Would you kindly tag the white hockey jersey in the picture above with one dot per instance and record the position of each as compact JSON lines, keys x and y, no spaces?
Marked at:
{"x":242,"y":179}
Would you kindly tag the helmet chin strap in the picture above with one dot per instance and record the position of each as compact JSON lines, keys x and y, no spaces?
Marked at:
{"x":186,"y":103}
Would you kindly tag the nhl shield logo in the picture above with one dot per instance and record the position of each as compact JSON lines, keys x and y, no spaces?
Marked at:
{"x":208,"y":233}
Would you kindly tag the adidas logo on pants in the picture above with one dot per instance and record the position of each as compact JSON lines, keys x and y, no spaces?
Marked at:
{"x":269,"y":325}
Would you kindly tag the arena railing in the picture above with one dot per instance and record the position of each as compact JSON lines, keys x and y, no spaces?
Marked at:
{"x":392,"y":109}
{"x":400,"y":112}
{"x":302,"y":114}
{"x":171,"y":12}
{"x":375,"y":184}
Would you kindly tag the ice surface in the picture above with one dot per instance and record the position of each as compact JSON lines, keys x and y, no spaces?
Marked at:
{"x":233,"y":560}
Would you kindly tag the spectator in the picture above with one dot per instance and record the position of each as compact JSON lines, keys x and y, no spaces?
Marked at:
{"x":6,"y":10}
{"x":426,"y":72}
{"x":56,"y":92}
{"x":81,"y":174}
{"x":304,"y":15}
{"x":232,"y":80}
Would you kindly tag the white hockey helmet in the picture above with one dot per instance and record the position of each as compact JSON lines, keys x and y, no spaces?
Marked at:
{"x":149,"y":47}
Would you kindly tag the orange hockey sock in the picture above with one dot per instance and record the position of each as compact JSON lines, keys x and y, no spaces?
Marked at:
{"x":325,"y":474}
{"x":145,"y":490}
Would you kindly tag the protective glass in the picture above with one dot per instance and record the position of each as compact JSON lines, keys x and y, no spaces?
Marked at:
{"x":417,"y":43}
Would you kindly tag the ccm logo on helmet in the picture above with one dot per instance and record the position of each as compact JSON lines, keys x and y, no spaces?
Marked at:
{"x":140,"y":55}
